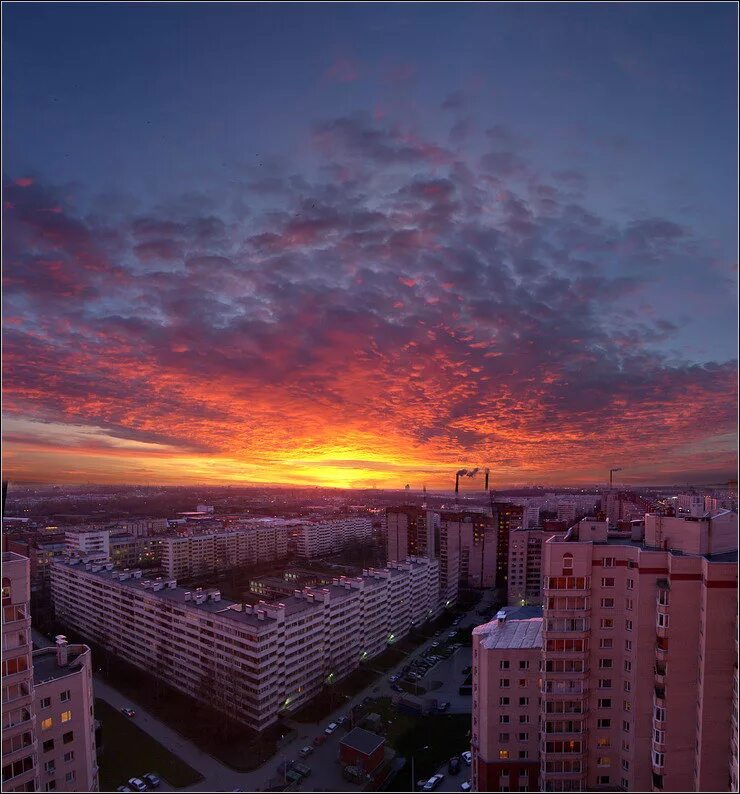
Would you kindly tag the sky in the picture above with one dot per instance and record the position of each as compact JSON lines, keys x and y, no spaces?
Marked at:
{"x":365,"y":245}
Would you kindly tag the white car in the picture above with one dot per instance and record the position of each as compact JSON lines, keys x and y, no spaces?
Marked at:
{"x":467,"y":756}
{"x":433,"y":782}
{"x":465,"y":786}
{"x":137,"y":784}
{"x":330,"y":728}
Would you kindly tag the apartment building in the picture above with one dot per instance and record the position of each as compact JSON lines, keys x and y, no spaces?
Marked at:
{"x":531,"y":517}
{"x":506,"y":517}
{"x":144,"y":527}
{"x":200,"y":553}
{"x":566,"y":511}
{"x":48,"y":720}
{"x":65,"y":724}
{"x":20,"y":745}
{"x":505,"y":733}
{"x":639,"y":655}
{"x":524,"y":585}
{"x":468,"y":542}
{"x":82,"y":542}
{"x":411,"y":531}
{"x":250,"y":661}
{"x":321,"y":538}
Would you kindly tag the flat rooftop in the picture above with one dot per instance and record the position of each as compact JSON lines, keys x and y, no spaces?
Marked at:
{"x":520,"y":628}
{"x":365,"y":742}
{"x":45,"y":667}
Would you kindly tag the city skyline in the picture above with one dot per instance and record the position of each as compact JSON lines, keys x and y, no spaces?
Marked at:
{"x":353,"y":247}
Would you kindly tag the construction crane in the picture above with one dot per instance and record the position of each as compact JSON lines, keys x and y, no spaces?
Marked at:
{"x":611,"y":475}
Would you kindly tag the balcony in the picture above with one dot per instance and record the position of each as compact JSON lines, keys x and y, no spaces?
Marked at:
{"x":661,"y":631}
{"x":661,"y":654}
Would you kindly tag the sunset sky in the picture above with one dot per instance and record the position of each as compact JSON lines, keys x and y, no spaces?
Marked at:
{"x":367,"y":245}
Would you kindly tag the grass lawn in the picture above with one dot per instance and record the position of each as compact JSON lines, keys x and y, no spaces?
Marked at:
{"x":129,"y":751}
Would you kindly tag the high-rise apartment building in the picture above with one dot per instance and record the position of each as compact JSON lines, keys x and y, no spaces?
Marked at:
{"x":524,"y":585}
{"x":48,"y":720}
{"x":468,"y":544}
{"x":506,"y":517}
{"x":320,"y":538}
{"x":88,"y":541}
{"x":566,"y":511}
{"x":639,"y":656}
{"x":505,"y":734}
{"x":411,"y":532}
{"x":531,"y":517}
{"x":20,"y":745}
{"x":250,"y":661}
{"x":65,"y":724}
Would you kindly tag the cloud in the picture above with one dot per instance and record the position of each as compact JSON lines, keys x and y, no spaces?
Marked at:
{"x":415,"y":313}
{"x":343,"y":70}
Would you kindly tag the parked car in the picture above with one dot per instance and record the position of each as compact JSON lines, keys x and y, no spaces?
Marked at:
{"x":433,"y":782}
{"x":293,"y":776}
{"x":443,"y":705}
{"x":137,"y":784}
{"x":341,"y":720}
{"x":330,"y":728}
{"x":124,"y":788}
{"x":305,"y":751}
{"x":393,"y":679}
{"x":467,"y":756}
{"x":127,"y":711}
{"x":151,"y":780}
{"x":453,"y":766}
{"x":465,"y":785}
{"x":302,"y":769}
{"x":319,"y":740}
{"x":435,"y":644}
{"x":397,"y":688}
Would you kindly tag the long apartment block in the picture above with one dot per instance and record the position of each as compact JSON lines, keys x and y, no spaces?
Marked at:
{"x":250,"y":661}
{"x":202,"y":553}
{"x":319,"y":538}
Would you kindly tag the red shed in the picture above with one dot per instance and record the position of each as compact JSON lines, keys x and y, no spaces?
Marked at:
{"x":362,"y":749}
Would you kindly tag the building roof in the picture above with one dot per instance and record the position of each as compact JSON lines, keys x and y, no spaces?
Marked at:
{"x":365,"y":742}
{"x":46,"y":668}
{"x":514,"y":627}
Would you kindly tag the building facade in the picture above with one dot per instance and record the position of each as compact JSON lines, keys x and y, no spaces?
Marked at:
{"x":250,"y":661}
{"x":505,"y":732}
{"x":321,"y":538}
{"x":411,"y":532}
{"x":506,"y":517}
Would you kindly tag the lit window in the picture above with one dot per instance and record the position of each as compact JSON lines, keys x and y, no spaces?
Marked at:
{"x":503,"y":754}
{"x":47,"y":723}
{"x":66,"y":716}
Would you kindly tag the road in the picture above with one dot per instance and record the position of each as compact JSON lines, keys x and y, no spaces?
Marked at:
{"x":326,"y":773}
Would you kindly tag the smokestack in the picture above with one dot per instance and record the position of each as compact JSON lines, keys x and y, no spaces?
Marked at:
{"x":487,"y":471}
{"x":62,"y":650}
{"x":457,"y":483}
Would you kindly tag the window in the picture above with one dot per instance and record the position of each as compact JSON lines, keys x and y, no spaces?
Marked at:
{"x":628,"y":603}
{"x":65,"y":696}
{"x":68,"y":737}
{"x":603,"y":723}
{"x":625,"y":726}
{"x":608,"y":562}
{"x":66,"y":716}
{"x":49,"y":767}
{"x":603,"y":760}
{"x":603,"y":780}
{"x":51,"y":785}
{"x":625,"y":745}
{"x":605,"y":664}
{"x":628,"y":645}
{"x":48,"y":745}
{"x":70,"y":776}
{"x":605,"y":683}
{"x":504,"y":664}
{"x":523,"y":701}
{"x":522,"y":682}
{"x":605,"y":703}
{"x":523,"y":754}
{"x":662,"y":620}
{"x":503,"y":719}
{"x":626,"y":705}
{"x":628,"y":625}
{"x":605,"y":642}
{"x":568,"y":562}
{"x":607,"y":603}
{"x":607,"y":581}
{"x":523,"y":718}
{"x":503,"y":701}
{"x":630,"y":584}
{"x":523,"y":665}
{"x":627,"y":686}
{"x":523,"y":737}
{"x":625,"y":764}
{"x":47,"y":723}
{"x":503,"y":754}
{"x":503,"y":737}
{"x":69,"y":757}
{"x":45,"y":703}
{"x":603,"y":741}
{"x":606,"y":623}
{"x":658,"y":758}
